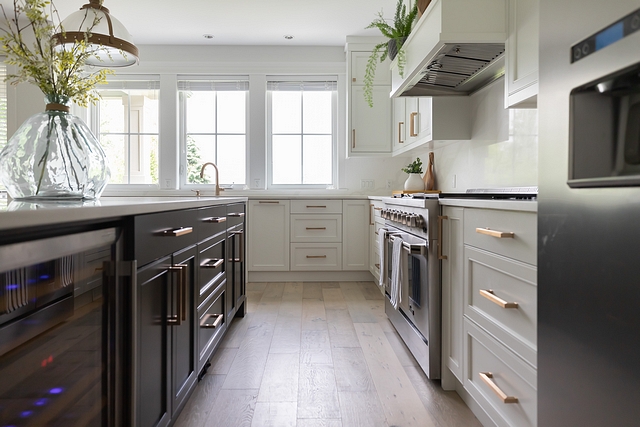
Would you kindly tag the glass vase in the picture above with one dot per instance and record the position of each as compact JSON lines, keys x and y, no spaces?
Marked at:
{"x":54,"y":155}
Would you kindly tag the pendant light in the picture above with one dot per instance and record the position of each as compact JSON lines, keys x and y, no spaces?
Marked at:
{"x":107,"y":37}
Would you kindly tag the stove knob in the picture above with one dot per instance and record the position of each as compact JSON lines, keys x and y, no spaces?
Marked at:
{"x":419,"y":221}
{"x":383,"y":214}
{"x":405,"y":218}
{"x":413,"y":220}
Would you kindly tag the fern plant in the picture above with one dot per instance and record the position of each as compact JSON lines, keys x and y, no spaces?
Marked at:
{"x":398,"y":32}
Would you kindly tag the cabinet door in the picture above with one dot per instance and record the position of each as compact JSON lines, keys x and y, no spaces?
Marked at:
{"x":235,"y":272}
{"x":522,"y":54}
{"x":268,"y":228}
{"x":359,"y":65}
{"x":370,"y":126}
{"x":355,"y":226}
{"x":453,"y":290}
{"x":182,"y":308}
{"x":153,"y":373}
{"x":424,"y":118}
{"x":399,"y":123}
{"x":412,"y":117}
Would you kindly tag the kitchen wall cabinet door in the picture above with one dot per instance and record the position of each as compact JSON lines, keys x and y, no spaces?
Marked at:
{"x":399,"y":123}
{"x":355,"y":232}
{"x":268,"y":241}
{"x":452,"y":291}
{"x":522,"y":54}
{"x":359,"y":65}
{"x":370,"y":126}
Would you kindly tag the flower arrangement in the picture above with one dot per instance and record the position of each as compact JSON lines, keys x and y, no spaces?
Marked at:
{"x":57,"y":69}
{"x":414,"y":167}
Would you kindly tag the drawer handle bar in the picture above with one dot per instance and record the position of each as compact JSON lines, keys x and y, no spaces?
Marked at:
{"x":178,"y":232}
{"x":318,"y":206}
{"x":215,"y":219}
{"x":316,"y":256}
{"x":236,"y":214}
{"x":274,"y":202}
{"x":488,"y":294}
{"x":377,"y":209}
{"x":208,"y":263}
{"x":440,"y":220}
{"x":377,"y":234}
{"x":486,"y":377}
{"x":400,"y":140}
{"x":377,"y":266}
{"x":495,"y":233}
{"x":215,"y":324}
{"x":370,"y":215}
{"x":316,"y":228}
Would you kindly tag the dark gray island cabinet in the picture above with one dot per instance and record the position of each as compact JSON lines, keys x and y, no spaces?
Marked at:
{"x":179,"y":272}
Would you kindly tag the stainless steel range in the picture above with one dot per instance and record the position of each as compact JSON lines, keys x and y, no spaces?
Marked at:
{"x":417,"y":316}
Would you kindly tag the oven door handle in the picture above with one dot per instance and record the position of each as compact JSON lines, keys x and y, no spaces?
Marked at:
{"x":415,"y":249}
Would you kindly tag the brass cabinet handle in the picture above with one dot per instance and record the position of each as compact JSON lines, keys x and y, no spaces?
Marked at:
{"x":412,"y":126}
{"x":215,"y":219}
{"x":316,"y":228}
{"x":377,"y":209}
{"x":316,"y":256}
{"x":240,"y":234}
{"x":215,"y":324}
{"x":377,"y":234}
{"x":275,"y":202}
{"x":377,"y":266}
{"x":236,"y":214}
{"x":400,"y":140}
{"x":178,"y":232}
{"x":371,"y":215}
{"x":488,"y":294}
{"x":353,"y":138}
{"x":486,"y":377}
{"x":440,"y":219}
{"x":182,"y":295}
{"x":316,"y":207}
{"x":208,"y":263}
{"x":495,"y":233}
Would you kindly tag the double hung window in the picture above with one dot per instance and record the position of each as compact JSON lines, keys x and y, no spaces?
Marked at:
{"x":214,"y":129}
{"x":301,"y":128}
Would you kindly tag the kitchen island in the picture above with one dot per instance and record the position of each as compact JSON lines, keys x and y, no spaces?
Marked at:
{"x":160,"y":280}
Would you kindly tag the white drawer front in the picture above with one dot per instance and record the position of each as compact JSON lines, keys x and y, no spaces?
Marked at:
{"x":509,"y":282}
{"x":316,"y":206}
{"x":521,"y":246}
{"x":509,"y":374}
{"x":316,"y":256}
{"x":316,"y":228}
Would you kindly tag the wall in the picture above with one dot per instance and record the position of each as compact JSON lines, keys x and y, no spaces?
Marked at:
{"x":503,"y":150}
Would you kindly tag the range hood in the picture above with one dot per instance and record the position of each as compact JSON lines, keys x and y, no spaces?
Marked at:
{"x":455,"y":48}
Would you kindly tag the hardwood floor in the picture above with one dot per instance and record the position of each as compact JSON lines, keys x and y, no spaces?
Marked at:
{"x":318,"y":355}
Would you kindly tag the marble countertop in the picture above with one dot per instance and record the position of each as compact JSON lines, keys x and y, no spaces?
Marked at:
{"x":19,"y":214}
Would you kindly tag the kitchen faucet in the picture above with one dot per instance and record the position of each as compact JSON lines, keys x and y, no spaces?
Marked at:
{"x":218,"y":189}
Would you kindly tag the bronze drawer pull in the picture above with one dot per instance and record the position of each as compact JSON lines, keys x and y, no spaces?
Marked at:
{"x":316,"y":228}
{"x":440,"y":220}
{"x":495,"y":233}
{"x":314,"y":206}
{"x":316,"y":256}
{"x":215,"y":219}
{"x":412,"y":124}
{"x":486,"y":377}
{"x":208,"y":263}
{"x":178,"y":232}
{"x":182,"y":295}
{"x":236,"y":214}
{"x":377,"y":266}
{"x":215,"y":324}
{"x":275,"y":202}
{"x":488,"y":294}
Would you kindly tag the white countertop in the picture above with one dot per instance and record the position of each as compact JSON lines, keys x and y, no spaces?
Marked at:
{"x":18,"y":214}
{"x":509,"y":205}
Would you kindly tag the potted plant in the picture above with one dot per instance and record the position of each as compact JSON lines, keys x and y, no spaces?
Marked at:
{"x":414,"y":182}
{"x":53,"y":155}
{"x":397,"y":33}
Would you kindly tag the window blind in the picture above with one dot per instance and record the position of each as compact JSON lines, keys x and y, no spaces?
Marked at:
{"x":327,"y":85}
{"x":213,"y":85}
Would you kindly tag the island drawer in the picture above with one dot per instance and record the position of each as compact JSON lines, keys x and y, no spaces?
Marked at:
{"x":160,"y":234}
{"x":211,"y":221}
{"x":212,"y":266}
{"x":235,"y":214}
{"x":316,"y":228}
{"x":211,"y":324}
{"x":509,"y":233}
{"x":316,"y":206}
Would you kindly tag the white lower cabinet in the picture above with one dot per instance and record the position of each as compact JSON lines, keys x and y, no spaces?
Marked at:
{"x":375,"y":224}
{"x":489,"y":299}
{"x":268,"y":242}
{"x":316,"y":256}
{"x":355,"y":226}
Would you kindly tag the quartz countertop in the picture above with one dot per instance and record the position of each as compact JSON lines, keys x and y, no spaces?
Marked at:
{"x":510,"y":205}
{"x":19,"y":214}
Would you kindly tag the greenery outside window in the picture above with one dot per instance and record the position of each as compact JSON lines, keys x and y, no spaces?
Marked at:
{"x":301,"y":129}
{"x":213,"y":128}
{"x":126,"y":122}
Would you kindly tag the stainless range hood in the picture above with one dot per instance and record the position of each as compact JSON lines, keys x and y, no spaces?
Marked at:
{"x":456,"y":47}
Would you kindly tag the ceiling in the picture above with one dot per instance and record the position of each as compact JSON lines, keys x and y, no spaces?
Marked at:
{"x":240,"y":22}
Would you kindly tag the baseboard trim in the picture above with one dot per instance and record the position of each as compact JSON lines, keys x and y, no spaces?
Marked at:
{"x":477,"y":410}
{"x":309,"y":276}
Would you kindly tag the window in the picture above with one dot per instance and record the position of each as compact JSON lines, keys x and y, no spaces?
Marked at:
{"x":301,"y":131}
{"x":214,"y":129}
{"x":126,"y":121}
{"x":3,"y":110}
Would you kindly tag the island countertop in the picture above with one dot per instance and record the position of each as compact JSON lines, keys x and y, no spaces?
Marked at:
{"x":21,"y":214}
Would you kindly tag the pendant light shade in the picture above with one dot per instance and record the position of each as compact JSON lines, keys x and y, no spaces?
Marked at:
{"x":108,"y":39}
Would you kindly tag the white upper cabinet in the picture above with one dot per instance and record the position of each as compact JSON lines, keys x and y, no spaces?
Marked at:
{"x":522,"y":54}
{"x":359,"y":65}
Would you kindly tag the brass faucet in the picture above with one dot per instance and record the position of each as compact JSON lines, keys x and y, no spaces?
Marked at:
{"x":218,"y":189}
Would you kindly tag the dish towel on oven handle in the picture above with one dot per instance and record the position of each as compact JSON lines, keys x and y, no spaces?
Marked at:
{"x":396,"y":272}
{"x":382,"y":236}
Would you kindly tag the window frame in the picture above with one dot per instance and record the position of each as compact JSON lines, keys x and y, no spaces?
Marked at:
{"x":334,"y":131}
{"x":182,"y":131}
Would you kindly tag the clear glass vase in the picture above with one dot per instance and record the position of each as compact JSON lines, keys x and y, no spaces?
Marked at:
{"x":54,"y":155}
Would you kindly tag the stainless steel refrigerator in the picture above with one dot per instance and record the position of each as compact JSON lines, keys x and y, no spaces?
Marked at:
{"x":589,"y":213}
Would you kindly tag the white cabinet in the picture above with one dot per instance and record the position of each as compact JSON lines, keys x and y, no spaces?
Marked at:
{"x":452,"y":289}
{"x":521,"y":68}
{"x":369,"y":128}
{"x":355,"y":239}
{"x":421,"y":120}
{"x":268,"y":242}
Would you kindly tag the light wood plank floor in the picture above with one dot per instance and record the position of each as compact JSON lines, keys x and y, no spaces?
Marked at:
{"x":318,"y":355}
